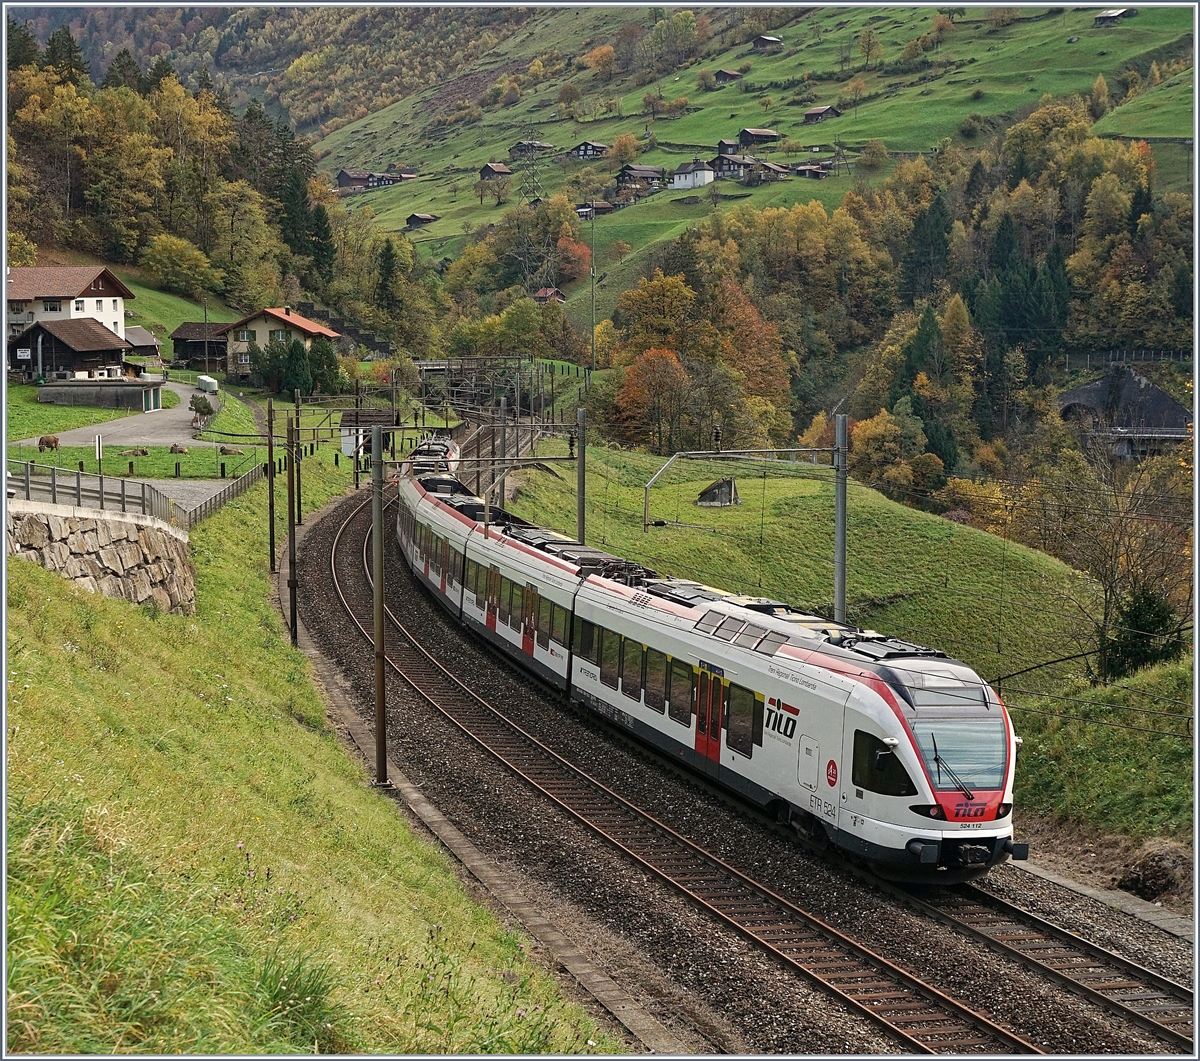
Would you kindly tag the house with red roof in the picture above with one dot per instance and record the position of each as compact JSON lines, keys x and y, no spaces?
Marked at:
{"x":278,"y":324}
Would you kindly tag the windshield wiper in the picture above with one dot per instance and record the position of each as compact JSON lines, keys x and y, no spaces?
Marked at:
{"x":940,"y":762}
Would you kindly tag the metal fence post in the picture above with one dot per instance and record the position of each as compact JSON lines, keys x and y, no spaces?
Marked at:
{"x":28,"y":470}
{"x":53,"y":485}
{"x":79,"y":489}
{"x":291,"y":493}
{"x":101,"y":479}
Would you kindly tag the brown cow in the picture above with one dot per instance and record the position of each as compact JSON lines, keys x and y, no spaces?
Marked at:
{"x":135,"y":453}
{"x":177,"y":448}
{"x":48,"y":442}
{"x":230,"y":451}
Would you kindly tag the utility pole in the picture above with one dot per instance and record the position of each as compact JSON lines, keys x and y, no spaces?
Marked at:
{"x":580,"y":472}
{"x":299,"y":444}
{"x":205,"y":301}
{"x":381,"y":777}
{"x":291,"y":492}
{"x":839,"y":519}
{"x":593,"y":270}
{"x":271,"y":477}
{"x":503,"y":435}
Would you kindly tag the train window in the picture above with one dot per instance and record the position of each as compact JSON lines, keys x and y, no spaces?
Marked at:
{"x":710,"y":622}
{"x":587,"y":641}
{"x":610,"y":657}
{"x":517,"y":614}
{"x":493,"y":587}
{"x":471,"y":574}
{"x":748,"y":638}
{"x":729,"y":628}
{"x":505,"y":598}
{"x":559,"y":618}
{"x":770,"y":644}
{"x":681,"y":692}
{"x":455,"y":565}
{"x":718,"y":708}
{"x":656,"y":680}
{"x":741,"y":720}
{"x":878,"y":769}
{"x":631,"y":669}
{"x":481,"y":581}
{"x":543,"y":625}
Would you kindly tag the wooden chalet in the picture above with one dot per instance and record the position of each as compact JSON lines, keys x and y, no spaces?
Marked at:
{"x":771,"y":171}
{"x":362,"y":180}
{"x":545,"y":295}
{"x":589,"y":149}
{"x":417,"y":220}
{"x":728,"y":147}
{"x":731,"y":167}
{"x":757,"y":137}
{"x":633,"y":178}
{"x":67,"y":349}
{"x":492,"y":171}
{"x":188,"y":343}
{"x":725,"y":77}
{"x":529,"y":149}
{"x":820,"y":114}
{"x":765,"y":43}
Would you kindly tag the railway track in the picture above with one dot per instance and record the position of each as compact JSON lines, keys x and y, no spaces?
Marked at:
{"x":917,"y":1015}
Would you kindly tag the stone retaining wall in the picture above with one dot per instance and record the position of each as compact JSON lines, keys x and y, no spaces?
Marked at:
{"x":124,"y":555}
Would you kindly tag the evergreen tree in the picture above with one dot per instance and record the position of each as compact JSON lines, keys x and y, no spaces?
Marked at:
{"x":64,"y":55}
{"x":927,"y":250}
{"x":323,"y":364}
{"x":297,"y":372}
{"x":1006,"y":254}
{"x":23,"y":47}
{"x":294,"y":219}
{"x":321,"y":245}
{"x":1142,"y":202}
{"x":159,"y":71}
{"x":1182,"y":291}
{"x":385,"y":287}
{"x":124,"y":72}
{"x":976,"y":185}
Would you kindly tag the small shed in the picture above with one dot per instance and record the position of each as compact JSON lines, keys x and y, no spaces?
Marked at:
{"x":766,"y":43}
{"x":724,"y":77}
{"x":720,"y":494}
{"x":417,"y":220}
{"x":757,"y":137}
{"x":820,"y":114}
{"x":491,"y":171}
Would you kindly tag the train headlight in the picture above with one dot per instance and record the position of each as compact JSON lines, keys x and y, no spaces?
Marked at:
{"x":929,"y":810}
{"x":1003,"y":810}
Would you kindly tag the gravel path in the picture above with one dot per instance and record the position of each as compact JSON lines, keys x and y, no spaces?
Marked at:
{"x":688,"y":971}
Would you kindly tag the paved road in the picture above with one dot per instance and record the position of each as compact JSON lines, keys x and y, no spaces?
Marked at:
{"x":162,"y":427}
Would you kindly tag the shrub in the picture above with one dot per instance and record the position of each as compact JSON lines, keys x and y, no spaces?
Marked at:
{"x":973,"y":124}
{"x":176,"y":265}
{"x":874,"y":154}
{"x":977,"y":94}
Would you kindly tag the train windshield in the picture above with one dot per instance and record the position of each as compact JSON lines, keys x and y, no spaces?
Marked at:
{"x":958,"y":752}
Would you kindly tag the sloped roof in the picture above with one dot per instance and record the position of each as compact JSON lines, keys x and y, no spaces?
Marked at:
{"x":696,"y":166}
{"x":81,"y":335}
{"x":357,"y":174}
{"x":281,"y":314}
{"x":761,"y":132}
{"x":822,"y":110}
{"x":26,"y":282}
{"x":590,"y":143}
{"x":496,"y":167}
{"x":136,"y":335}
{"x":194,"y":330}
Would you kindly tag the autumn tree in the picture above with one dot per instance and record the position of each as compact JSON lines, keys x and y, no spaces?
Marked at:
{"x":1100,"y":104}
{"x":657,"y":313}
{"x":174,"y":264}
{"x":623,"y":150}
{"x":870,"y":47}
{"x":602,"y":61}
{"x":855,"y":90}
{"x":652,"y":399}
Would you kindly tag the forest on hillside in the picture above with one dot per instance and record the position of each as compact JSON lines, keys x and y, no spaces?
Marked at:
{"x":935,"y":306}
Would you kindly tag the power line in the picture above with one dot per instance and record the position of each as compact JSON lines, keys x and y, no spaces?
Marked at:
{"x":1098,"y":722}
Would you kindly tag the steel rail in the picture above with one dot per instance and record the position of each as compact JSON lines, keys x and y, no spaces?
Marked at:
{"x":918,"y":1015}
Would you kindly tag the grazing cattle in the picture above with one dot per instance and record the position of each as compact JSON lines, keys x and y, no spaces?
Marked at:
{"x":48,"y":442}
{"x":135,"y":453}
{"x":230,"y":451}
{"x":177,"y":448}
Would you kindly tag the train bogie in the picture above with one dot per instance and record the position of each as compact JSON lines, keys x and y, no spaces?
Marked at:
{"x":887,"y":751}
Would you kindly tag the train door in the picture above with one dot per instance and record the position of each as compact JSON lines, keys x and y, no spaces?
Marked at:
{"x":493,"y":598}
{"x":529,"y":626}
{"x":444,"y":562}
{"x":709,"y":701}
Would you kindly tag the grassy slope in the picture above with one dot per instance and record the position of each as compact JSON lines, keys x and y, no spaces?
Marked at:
{"x":910,"y":574}
{"x":1164,"y":110}
{"x":1013,"y":67}
{"x":913,"y":575}
{"x":184,"y":827}
{"x":1123,"y":780}
{"x":27,"y":417}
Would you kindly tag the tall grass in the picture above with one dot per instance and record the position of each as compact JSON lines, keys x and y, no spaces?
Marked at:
{"x":197,"y":864}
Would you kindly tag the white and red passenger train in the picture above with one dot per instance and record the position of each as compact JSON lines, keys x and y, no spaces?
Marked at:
{"x":892,"y":752}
